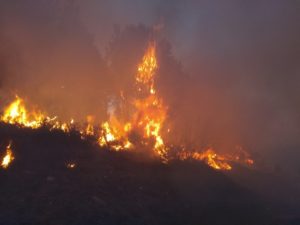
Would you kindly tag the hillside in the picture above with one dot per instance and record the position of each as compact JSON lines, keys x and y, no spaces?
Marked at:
{"x":104,"y":187}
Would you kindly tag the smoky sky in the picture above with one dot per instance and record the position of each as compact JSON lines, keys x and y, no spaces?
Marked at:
{"x":229,"y":70}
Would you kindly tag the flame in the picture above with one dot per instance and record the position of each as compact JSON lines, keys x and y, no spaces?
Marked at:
{"x":149,"y":112}
{"x":114,"y":138}
{"x":142,"y":130}
{"x":147,"y":69}
{"x":209,"y":156}
{"x":90,"y":128}
{"x":107,"y":135}
{"x":218,"y":161}
{"x":8,"y":158}
{"x":16,"y":113}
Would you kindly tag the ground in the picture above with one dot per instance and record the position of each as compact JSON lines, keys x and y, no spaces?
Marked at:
{"x":108,"y":187}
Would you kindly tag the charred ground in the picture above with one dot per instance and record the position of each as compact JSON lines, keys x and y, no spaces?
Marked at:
{"x":108,"y":187}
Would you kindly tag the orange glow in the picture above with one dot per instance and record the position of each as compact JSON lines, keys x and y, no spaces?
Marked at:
{"x":218,"y":161}
{"x":149,"y":112}
{"x":16,"y":113}
{"x":8,"y":158}
{"x":142,"y":130}
{"x":90,"y":128}
{"x":209,"y":156}
{"x":71,"y":165}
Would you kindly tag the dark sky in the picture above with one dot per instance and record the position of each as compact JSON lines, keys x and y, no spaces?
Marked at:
{"x":231,"y":70}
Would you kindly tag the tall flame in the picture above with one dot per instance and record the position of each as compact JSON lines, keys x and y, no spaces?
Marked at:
{"x":149,"y":112}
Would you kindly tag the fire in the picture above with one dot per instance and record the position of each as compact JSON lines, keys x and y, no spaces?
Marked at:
{"x":149,"y":112}
{"x":107,"y":135}
{"x":8,"y":158}
{"x":142,"y":130}
{"x":147,"y":69}
{"x":16,"y":113}
{"x":218,"y":161}
{"x":90,"y":128}
{"x":114,"y":138}
{"x":209,"y":156}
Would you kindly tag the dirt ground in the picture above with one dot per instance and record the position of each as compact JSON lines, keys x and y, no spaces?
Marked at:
{"x":105,"y":187}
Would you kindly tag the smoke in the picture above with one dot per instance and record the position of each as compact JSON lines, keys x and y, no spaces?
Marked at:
{"x":229,"y":71}
{"x":51,"y":58}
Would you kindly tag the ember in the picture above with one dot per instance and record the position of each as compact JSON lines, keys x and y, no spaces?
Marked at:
{"x":8,"y":158}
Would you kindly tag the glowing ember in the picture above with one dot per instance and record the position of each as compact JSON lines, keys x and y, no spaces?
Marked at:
{"x":218,"y":161}
{"x":71,"y":165}
{"x":209,"y":156}
{"x":8,"y":158}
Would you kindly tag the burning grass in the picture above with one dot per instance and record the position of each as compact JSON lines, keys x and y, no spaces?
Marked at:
{"x":142,"y":130}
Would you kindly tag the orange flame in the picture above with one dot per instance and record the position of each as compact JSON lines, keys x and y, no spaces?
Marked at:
{"x":149,"y":112}
{"x":90,"y":128}
{"x":142,"y":130}
{"x":209,"y":156}
{"x":16,"y":113}
{"x":8,"y":158}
